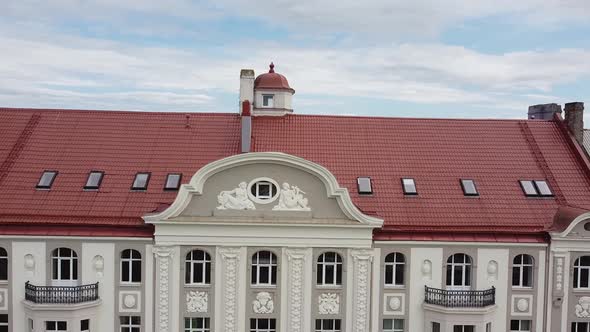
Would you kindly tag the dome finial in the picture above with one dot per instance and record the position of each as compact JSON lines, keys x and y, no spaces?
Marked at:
{"x":272,"y":67}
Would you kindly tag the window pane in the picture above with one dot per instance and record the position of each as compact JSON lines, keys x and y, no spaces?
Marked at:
{"x":172,"y":181}
{"x":339,"y":274}
{"x":469,"y":187}
{"x":140,"y":181}
{"x":46,"y":179}
{"x":543,"y":188}
{"x":399,"y":274}
{"x":527,"y":276}
{"x":329,"y":274}
{"x":136,"y":271}
{"x":125,"y":271}
{"x":207,"y":272}
{"x":3,"y":268}
{"x":409,"y":186}
{"x":93,"y":180}
{"x":389,"y":274}
{"x":584,"y":278}
{"x":516,"y":276}
{"x":65,"y":270}
{"x":198,"y":273}
{"x":528,"y":188}
{"x":387,"y":324}
{"x":364,"y":185}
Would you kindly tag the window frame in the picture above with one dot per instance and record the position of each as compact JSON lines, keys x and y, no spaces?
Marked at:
{"x":406,"y":192}
{"x":358,"y":185}
{"x":465,"y":193}
{"x":57,"y":261}
{"x":50,"y":184}
{"x":130,"y":326}
{"x":81,"y":326}
{"x":578,"y":270}
{"x":520,"y":327}
{"x":272,"y":100}
{"x":337,"y":267}
{"x":336,"y":323}
{"x":393,"y":266}
{"x":466,"y":273}
{"x":87,"y":187}
{"x":4,"y":320}
{"x":393,"y":327}
{"x":254,"y":325}
{"x":205,"y":323}
{"x":130,"y":260}
{"x":536,"y":188}
{"x":3,"y":264}
{"x":166,"y":188}
{"x":521,"y":267}
{"x":575,"y":327}
{"x":57,"y":327}
{"x":191,"y":270}
{"x":147,"y":181}
{"x":256,"y":266}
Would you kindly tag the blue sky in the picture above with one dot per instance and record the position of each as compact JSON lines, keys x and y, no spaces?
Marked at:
{"x":421,"y":58}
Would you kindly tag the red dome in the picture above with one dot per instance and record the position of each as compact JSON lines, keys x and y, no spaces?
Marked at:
{"x":272,"y":81}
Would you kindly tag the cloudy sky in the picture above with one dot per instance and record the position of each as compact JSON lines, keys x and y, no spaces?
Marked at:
{"x":422,"y":58}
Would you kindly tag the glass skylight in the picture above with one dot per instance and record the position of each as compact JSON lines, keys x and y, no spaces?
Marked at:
{"x":46,"y":179}
{"x":172,"y":181}
{"x":94,"y":180}
{"x":409,"y":186}
{"x":364,"y":185}
{"x":469,"y":188}
{"x":141,"y":181}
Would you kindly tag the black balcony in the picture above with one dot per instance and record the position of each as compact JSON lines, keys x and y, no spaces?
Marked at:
{"x":460,"y":298}
{"x":61,"y":295}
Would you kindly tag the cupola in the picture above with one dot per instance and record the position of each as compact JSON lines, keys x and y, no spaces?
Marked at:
{"x":272,"y":94}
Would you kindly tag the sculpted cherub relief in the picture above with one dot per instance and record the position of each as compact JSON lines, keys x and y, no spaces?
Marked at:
{"x":291,"y":198}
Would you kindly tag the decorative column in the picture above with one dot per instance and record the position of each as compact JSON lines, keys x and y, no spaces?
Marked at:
{"x":296,"y":258}
{"x":164,"y":257}
{"x":361,"y":294}
{"x":231,"y":259}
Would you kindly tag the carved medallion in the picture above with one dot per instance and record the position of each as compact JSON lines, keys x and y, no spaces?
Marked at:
{"x":329,"y":304}
{"x":583,"y":307}
{"x":263,"y":304}
{"x":196,"y":301}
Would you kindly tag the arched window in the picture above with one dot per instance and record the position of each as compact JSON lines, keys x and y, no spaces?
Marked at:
{"x":394,"y":269}
{"x":522,"y":271}
{"x":130,"y":266}
{"x":329,"y":269}
{"x":264,"y":268}
{"x":197,"y":268}
{"x":459,"y":271}
{"x":3,"y":264}
{"x":582,"y":272}
{"x":65,"y":264}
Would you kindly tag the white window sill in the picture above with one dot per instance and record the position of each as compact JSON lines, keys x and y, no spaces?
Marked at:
{"x":394,"y":286}
{"x":130,"y":284}
{"x":263,"y":286}
{"x":581,"y":290}
{"x":329,"y":286}
{"x":522,"y":288}
{"x":197,"y":285}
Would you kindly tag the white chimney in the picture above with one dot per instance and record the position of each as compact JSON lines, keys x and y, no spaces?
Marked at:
{"x":246,"y":87}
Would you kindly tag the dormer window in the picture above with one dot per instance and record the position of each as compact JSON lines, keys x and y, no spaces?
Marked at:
{"x":46,"y":179}
{"x":268,"y":101}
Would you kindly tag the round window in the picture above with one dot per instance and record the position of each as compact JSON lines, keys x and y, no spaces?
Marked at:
{"x":587,"y":226}
{"x":263,"y":190}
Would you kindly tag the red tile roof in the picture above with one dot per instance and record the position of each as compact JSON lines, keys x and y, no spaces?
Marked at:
{"x":435,"y":152}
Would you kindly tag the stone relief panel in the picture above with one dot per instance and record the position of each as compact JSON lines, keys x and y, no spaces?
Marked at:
{"x":263,"y":304}
{"x":231,"y":258}
{"x":296,"y":260}
{"x":29,"y":261}
{"x":426,"y":270}
{"x":522,"y":305}
{"x":98,"y":264}
{"x":3,"y":299}
{"x":582,"y":309}
{"x":235,"y":199}
{"x":329,"y":304}
{"x":361,"y":294}
{"x":163,"y":259}
{"x":558,"y":275}
{"x":129,"y":301}
{"x":394,"y":304}
{"x":492,"y":270}
{"x":197,"y":301}
{"x":291,"y":199}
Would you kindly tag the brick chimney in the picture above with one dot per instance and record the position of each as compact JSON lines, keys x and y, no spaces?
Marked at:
{"x":543,"y":111}
{"x":246,"y":88}
{"x":246,"y":136}
{"x":574,"y":119}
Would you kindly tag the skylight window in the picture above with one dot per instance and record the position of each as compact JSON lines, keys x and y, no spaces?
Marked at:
{"x":469,"y":188}
{"x":172,"y":181}
{"x":94,"y":180}
{"x":536,"y":188}
{"x":46,"y":179}
{"x":409,"y":186}
{"x":141,"y":181}
{"x":364,"y":185}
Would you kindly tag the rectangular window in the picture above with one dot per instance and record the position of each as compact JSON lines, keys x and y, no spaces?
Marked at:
{"x":85,"y":325}
{"x":520,"y":325}
{"x":393,"y":325}
{"x":196,"y":324}
{"x":464,"y":328}
{"x":327,"y":325}
{"x":364,"y":185}
{"x":469,"y":188}
{"x":529,"y":188}
{"x":4,"y":323}
{"x":94,"y":180}
{"x":409,"y":186}
{"x":173,"y":181}
{"x":268,"y":101}
{"x":580,"y":327}
{"x":263,"y":325}
{"x":31,"y":326}
{"x":56,"y":326}
{"x":130,"y":323}
{"x":46,"y":179}
{"x":435,"y":327}
{"x":489,"y":327}
{"x":543,"y":188}
{"x":141,"y":181}
{"x":537,"y":188}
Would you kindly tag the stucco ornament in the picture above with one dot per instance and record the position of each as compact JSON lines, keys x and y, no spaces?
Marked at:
{"x":329,"y":304}
{"x":129,"y":301}
{"x":522,"y":305}
{"x":263,"y":304}
{"x":98,"y":265}
{"x":236,"y":199}
{"x":395,"y":303}
{"x":29,"y":262}
{"x":291,"y":199}
{"x":197,"y":301}
{"x":583,"y":307}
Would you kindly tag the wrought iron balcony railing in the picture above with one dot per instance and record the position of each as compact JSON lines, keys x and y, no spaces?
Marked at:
{"x":460,"y":298}
{"x":61,"y":294}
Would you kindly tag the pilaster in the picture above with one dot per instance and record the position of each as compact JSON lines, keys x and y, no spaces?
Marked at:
{"x":164,"y":256}
{"x":361,"y":296}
